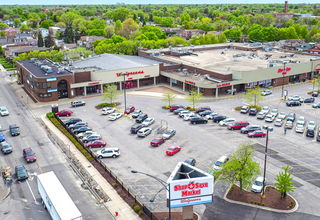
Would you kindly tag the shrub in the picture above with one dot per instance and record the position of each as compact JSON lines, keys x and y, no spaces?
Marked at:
{"x":133,"y":204}
{"x":268,"y":188}
{"x":141,"y":212}
{"x":167,"y":106}
{"x":137,"y":208}
{"x":238,"y":108}
{"x":115,"y":185}
{"x":292,"y":202}
{"x":50,"y":115}
{"x":258,"y":203}
{"x":255,"y":202}
{"x":251,"y":201}
{"x":103,"y":104}
{"x":123,"y":195}
{"x":188,"y":107}
{"x":262,"y":204}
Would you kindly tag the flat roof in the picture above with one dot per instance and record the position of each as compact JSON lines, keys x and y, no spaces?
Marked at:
{"x":214,"y":61}
{"x":113,"y":62}
{"x":40,"y":73}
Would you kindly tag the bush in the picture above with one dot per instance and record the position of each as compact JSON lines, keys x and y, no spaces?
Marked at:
{"x":50,"y":115}
{"x":255,"y":202}
{"x":251,"y":201}
{"x":133,"y":204}
{"x":115,"y":185}
{"x":137,"y":208}
{"x":167,"y":106}
{"x":238,"y":108}
{"x":141,"y":212}
{"x":258,"y":203}
{"x":262,"y":204}
{"x":292,"y":202}
{"x":104,"y":105}
{"x":188,"y":107}
{"x":268,"y":188}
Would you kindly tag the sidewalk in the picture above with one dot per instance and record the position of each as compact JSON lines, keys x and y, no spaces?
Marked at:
{"x":116,"y":204}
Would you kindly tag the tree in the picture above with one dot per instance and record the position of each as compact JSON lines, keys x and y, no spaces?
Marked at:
{"x":254,"y":95}
{"x":284,"y":184}
{"x":61,"y":25}
{"x":110,"y":93}
{"x":49,"y":42}
{"x":40,"y":40}
{"x":1,"y":50}
{"x":316,"y":82}
{"x":17,"y":22}
{"x":194,"y":97}
{"x":168,"y":97}
{"x":68,"y":34}
{"x":118,"y":26}
{"x":109,"y":31}
{"x":240,"y":168}
{"x":3,"y":26}
{"x":120,"y":14}
{"x":24,"y":27}
{"x":46,"y":24}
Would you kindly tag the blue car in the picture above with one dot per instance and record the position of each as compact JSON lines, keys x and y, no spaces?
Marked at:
{"x":2,"y":138}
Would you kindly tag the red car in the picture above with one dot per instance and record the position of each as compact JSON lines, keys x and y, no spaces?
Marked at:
{"x":173,"y":150}
{"x":129,"y":109}
{"x":29,"y":155}
{"x":64,"y":113}
{"x":175,"y":107}
{"x":256,"y":133}
{"x":97,"y":143}
{"x":157,"y":141}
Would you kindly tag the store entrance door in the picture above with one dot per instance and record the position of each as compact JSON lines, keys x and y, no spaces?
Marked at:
{"x":62,"y":89}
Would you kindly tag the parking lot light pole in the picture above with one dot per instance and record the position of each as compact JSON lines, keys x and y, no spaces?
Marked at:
{"x":165,"y":186}
{"x":265,"y":159}
{"x":124,"y":84}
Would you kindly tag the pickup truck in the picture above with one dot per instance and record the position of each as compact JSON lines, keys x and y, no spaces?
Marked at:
{"x":77,"y":103}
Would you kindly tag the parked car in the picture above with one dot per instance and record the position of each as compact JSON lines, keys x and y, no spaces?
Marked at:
{"x":202,"y":109}
{"x":135,"y":128}
{"x":266,"y":92}
{"x":78,"y":103}
{"x":169,"y":133}
{"x":205,"y":113}
{"x":288,"y":124}
{"x":227,"y":121}
{"x":188,"y":117}
{"x":311,"y":125}
{"x":81,"y":130}
{"x":258,"y":184}
{"x":0,"y":127}
{"x":307,"y":100}
{"x":14,"y":130}
{"x":301,"y":120}
{"x":72,"y":121}
{"x":177,"y":111}
{"x":282,"y":115}
{"x":253,"y":111}
{"x":250,"y":128}
{"x":299,"y":128}
{"x":141,"y":118}
{"x":129,"y":109}
{"x":21,"y":172}
{"x":278,"y":122}
{"x":29,"y":155}
{"x":157,"y":141}
{"x":315,"y":94}
{"x":191,"y":161}
{"x":65,"y":112}
{"x":107,"y":110}
{"x":4,"y":111}
{"x":218,"y":118}
{"x":293,"y":103}
{"x":222,"y":160}
{"x":148,"y":122}
{"x":316,"y":105}
{"x":244,"y":109}
{"x":269,"y":118}
{"x":198,"y":120}
{"x":310,"y":132}
{"x":291,"y":117}
{"x":261,"y":115}
{"x":237,"y":125}
{"x":5,"y":147}
{"x":86,"y":133}
{"x":91,"y":138}
{"x":265,"y":109}
{"x":143,"y":132}
{"x":174,"y":107}
{"x":2,"y":137}
{"x":136,"y":113}
{"x":173,"y":150}
{"x":294,"y":98}
{"x":78,"y":125}
{"x":183,"y":113}
{"x":274,"y":112}
{"x":318,"y":136}
{"x":211,"y":115}
{"x":115,"y":116}
{"x":257,"y":133}
{"x":96,"y":143}
{"x":108,"y":152}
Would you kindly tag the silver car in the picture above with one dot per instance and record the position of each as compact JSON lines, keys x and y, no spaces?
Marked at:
{"x":266,"y":92}
{"x":269,"y":118}
{"x":274,"y":112}
{"x":91,"y":138}
{"x":301,"y":120}
{"x":115,"y":116}
{"x":265,"y":109}
{"x":294,"y":98}
{"x":107,"y":110}
{"x":169,"y":133}
{"x":278,"y":122}
{"x":311,"y":125}
{"x":299,"y":128}
{"x":282,"y":115}
{"x":143,"y":132}
{"x":148,"y":122}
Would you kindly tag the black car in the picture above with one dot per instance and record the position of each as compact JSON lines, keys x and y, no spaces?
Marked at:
{"x":141,"y":118}
{"x":177,"y":111}
{"x":81,"y":130}
{"x":218,"y":118}
{"x":190,"y":161}
{"x":72,"y":121}
{"x":293,"y":103}
{"x":198,"y":120}
{"x":204,"y":113}
{"x":315,"y":94}
{"x":291,"y":117}
{"x":135,"y":128}
{"x":307,"y":100}
{"x":253,"y":111}
{"x":310,"y":133}
{"x":250,"y":128}
{"x":21,"y":172}
{"x":318,"y":136}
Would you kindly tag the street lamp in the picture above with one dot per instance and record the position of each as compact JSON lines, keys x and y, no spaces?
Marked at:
{"x":165,"y":186}
{"x":124,"y":84}
{"x":268,"y":128}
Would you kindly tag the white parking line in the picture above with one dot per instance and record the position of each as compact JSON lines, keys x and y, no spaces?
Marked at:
{"x":31,"y":191}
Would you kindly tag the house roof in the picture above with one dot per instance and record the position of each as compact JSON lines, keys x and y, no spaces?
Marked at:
{"x":28,"y":49}
{"x":11,"y":29}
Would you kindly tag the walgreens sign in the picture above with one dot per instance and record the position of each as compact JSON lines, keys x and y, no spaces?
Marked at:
{"x":132,"y":73}
{"x":191,"y":201}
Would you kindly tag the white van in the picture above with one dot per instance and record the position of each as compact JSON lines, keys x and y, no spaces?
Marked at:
{"x":220,"y":161}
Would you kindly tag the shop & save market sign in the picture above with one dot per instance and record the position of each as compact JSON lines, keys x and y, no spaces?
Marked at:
{"x":132,"y":73}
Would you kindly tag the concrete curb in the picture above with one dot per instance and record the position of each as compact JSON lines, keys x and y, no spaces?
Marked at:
{"x":261,"y":207}
{"x":6,"y":195}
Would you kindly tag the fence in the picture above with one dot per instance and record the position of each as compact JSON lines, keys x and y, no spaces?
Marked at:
{"x":149,"y":213}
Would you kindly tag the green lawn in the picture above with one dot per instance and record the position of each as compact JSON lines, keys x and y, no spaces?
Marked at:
{"x":8,"y":66}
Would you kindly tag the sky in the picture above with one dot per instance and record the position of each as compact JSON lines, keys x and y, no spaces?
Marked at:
{"x":91,"y":2}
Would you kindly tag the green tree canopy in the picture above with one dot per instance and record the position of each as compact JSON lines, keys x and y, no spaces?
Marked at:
{"x":194,"y":97}
{"x":254,"y":96}
{"x":284,"y":182}
{"x":169,"y":97}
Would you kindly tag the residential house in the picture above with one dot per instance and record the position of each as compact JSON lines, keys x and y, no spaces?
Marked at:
{"x":91,"y":39}
{"x":20,"y":37}
{"x":302,"y":15}
{"x":30,"y":33}
{"x":291,"y":44}
{"x":189,"y":33}
{"x":315,"y":49}
{"x":54,"y":30}
{"x":70,"y":46}
{"x":44,"y":32}
{"x":15,"y":52}
{"x":11,"y":32}
{"x":9,"y":22}
{"x":305,"y":47}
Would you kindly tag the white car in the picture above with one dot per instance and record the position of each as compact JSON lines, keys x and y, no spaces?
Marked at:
{"x":143,"y":132}
{"x":265,"y":109}
{"x":87,"y":133}
{"x":115,"y":116}
{"x":108,"y":110}
{"x":299,"y":128}
{"x":258,"y":184}
{"x":274,"y":112}
{"x":282,"y":115}
{"x":266,"y":92}
{"x":183,"y":113}
{"x":311,"y":125}
{"x":269,"y":118}
{"x":244,"y":109}
{"x":226,"y":121}
{"x":136,"y":113}
{"x":169,"y":133}
{"x":278,"y":122}
{"x":4,"y":111}
{"x":301,"y":120}
{"x":210,"y":116}
{"x":148,"y":122}
{"x":108,"y":152}
{"x":294,"y":98}
{"x":190,"y":116}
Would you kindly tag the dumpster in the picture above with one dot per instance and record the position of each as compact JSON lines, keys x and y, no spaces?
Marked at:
{"x":54,"y":108}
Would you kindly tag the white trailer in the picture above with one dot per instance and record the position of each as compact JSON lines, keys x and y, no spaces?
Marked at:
{"x":56,"y":199}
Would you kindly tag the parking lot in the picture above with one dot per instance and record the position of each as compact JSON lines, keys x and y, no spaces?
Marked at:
{"x":206,"y":143}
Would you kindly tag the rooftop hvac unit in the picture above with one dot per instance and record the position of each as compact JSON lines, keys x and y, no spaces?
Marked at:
{"x":60,"y":70}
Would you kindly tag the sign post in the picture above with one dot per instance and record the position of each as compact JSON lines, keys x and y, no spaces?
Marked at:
{"x":284,"y":72}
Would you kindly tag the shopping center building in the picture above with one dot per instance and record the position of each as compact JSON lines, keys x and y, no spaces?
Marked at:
{"x":210,"y":69}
